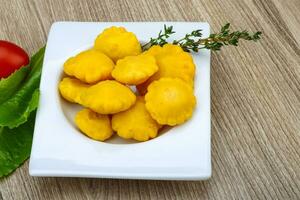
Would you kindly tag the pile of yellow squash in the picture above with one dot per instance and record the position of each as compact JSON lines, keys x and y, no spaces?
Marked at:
{"x":99,"y":80}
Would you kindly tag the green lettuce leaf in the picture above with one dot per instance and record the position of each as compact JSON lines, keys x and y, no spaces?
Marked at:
{"x":15,"y":145}
{"x":9,"y":85}
{"x":16,"y":110}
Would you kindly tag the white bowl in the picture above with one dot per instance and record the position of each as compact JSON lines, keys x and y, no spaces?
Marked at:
{"x":59,"y":149}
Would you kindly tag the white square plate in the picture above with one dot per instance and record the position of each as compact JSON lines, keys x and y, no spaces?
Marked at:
{"x":59,"y":149}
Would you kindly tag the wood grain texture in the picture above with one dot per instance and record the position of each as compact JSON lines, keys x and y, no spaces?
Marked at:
{"x":255,"y":98}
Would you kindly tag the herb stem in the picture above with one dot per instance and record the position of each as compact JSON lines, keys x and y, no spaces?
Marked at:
{"x":193,"y":41}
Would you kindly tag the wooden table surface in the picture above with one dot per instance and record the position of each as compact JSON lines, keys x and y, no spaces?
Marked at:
{"x":255,"y":98}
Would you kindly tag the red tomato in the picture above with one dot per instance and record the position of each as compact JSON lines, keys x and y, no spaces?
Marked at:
{"x":12,"y":57}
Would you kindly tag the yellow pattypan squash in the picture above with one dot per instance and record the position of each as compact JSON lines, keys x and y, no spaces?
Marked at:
{"x":94,"y":125}
{"x":170,"y":101}
{"x":108,"y":97}
{"x":172,"y":62}
{"x":117,"y":43}
{"x":71,"y":89}
{"x":153,"y":51}
{"x":89,"y":66}
{"x":134,"y":70}
{"x":135,"y":123}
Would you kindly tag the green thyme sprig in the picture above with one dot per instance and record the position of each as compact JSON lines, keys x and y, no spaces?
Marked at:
{"x":193,"y":41}
{"x":190,"y":41}
{"x":161,"y":38}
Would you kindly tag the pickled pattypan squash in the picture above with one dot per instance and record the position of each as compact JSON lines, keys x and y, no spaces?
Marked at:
{"x":134,"y":70}
{"x":94,"y":125}
{"x":172,"y":62}
{"x":117,"y":42}
{"x":163,"y":75}
{"x":108,"y":97}
{"x":170,"y":101}
{"x":89,"y":66}
{"x":71,"y":89}
{"x":135,"y":123}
